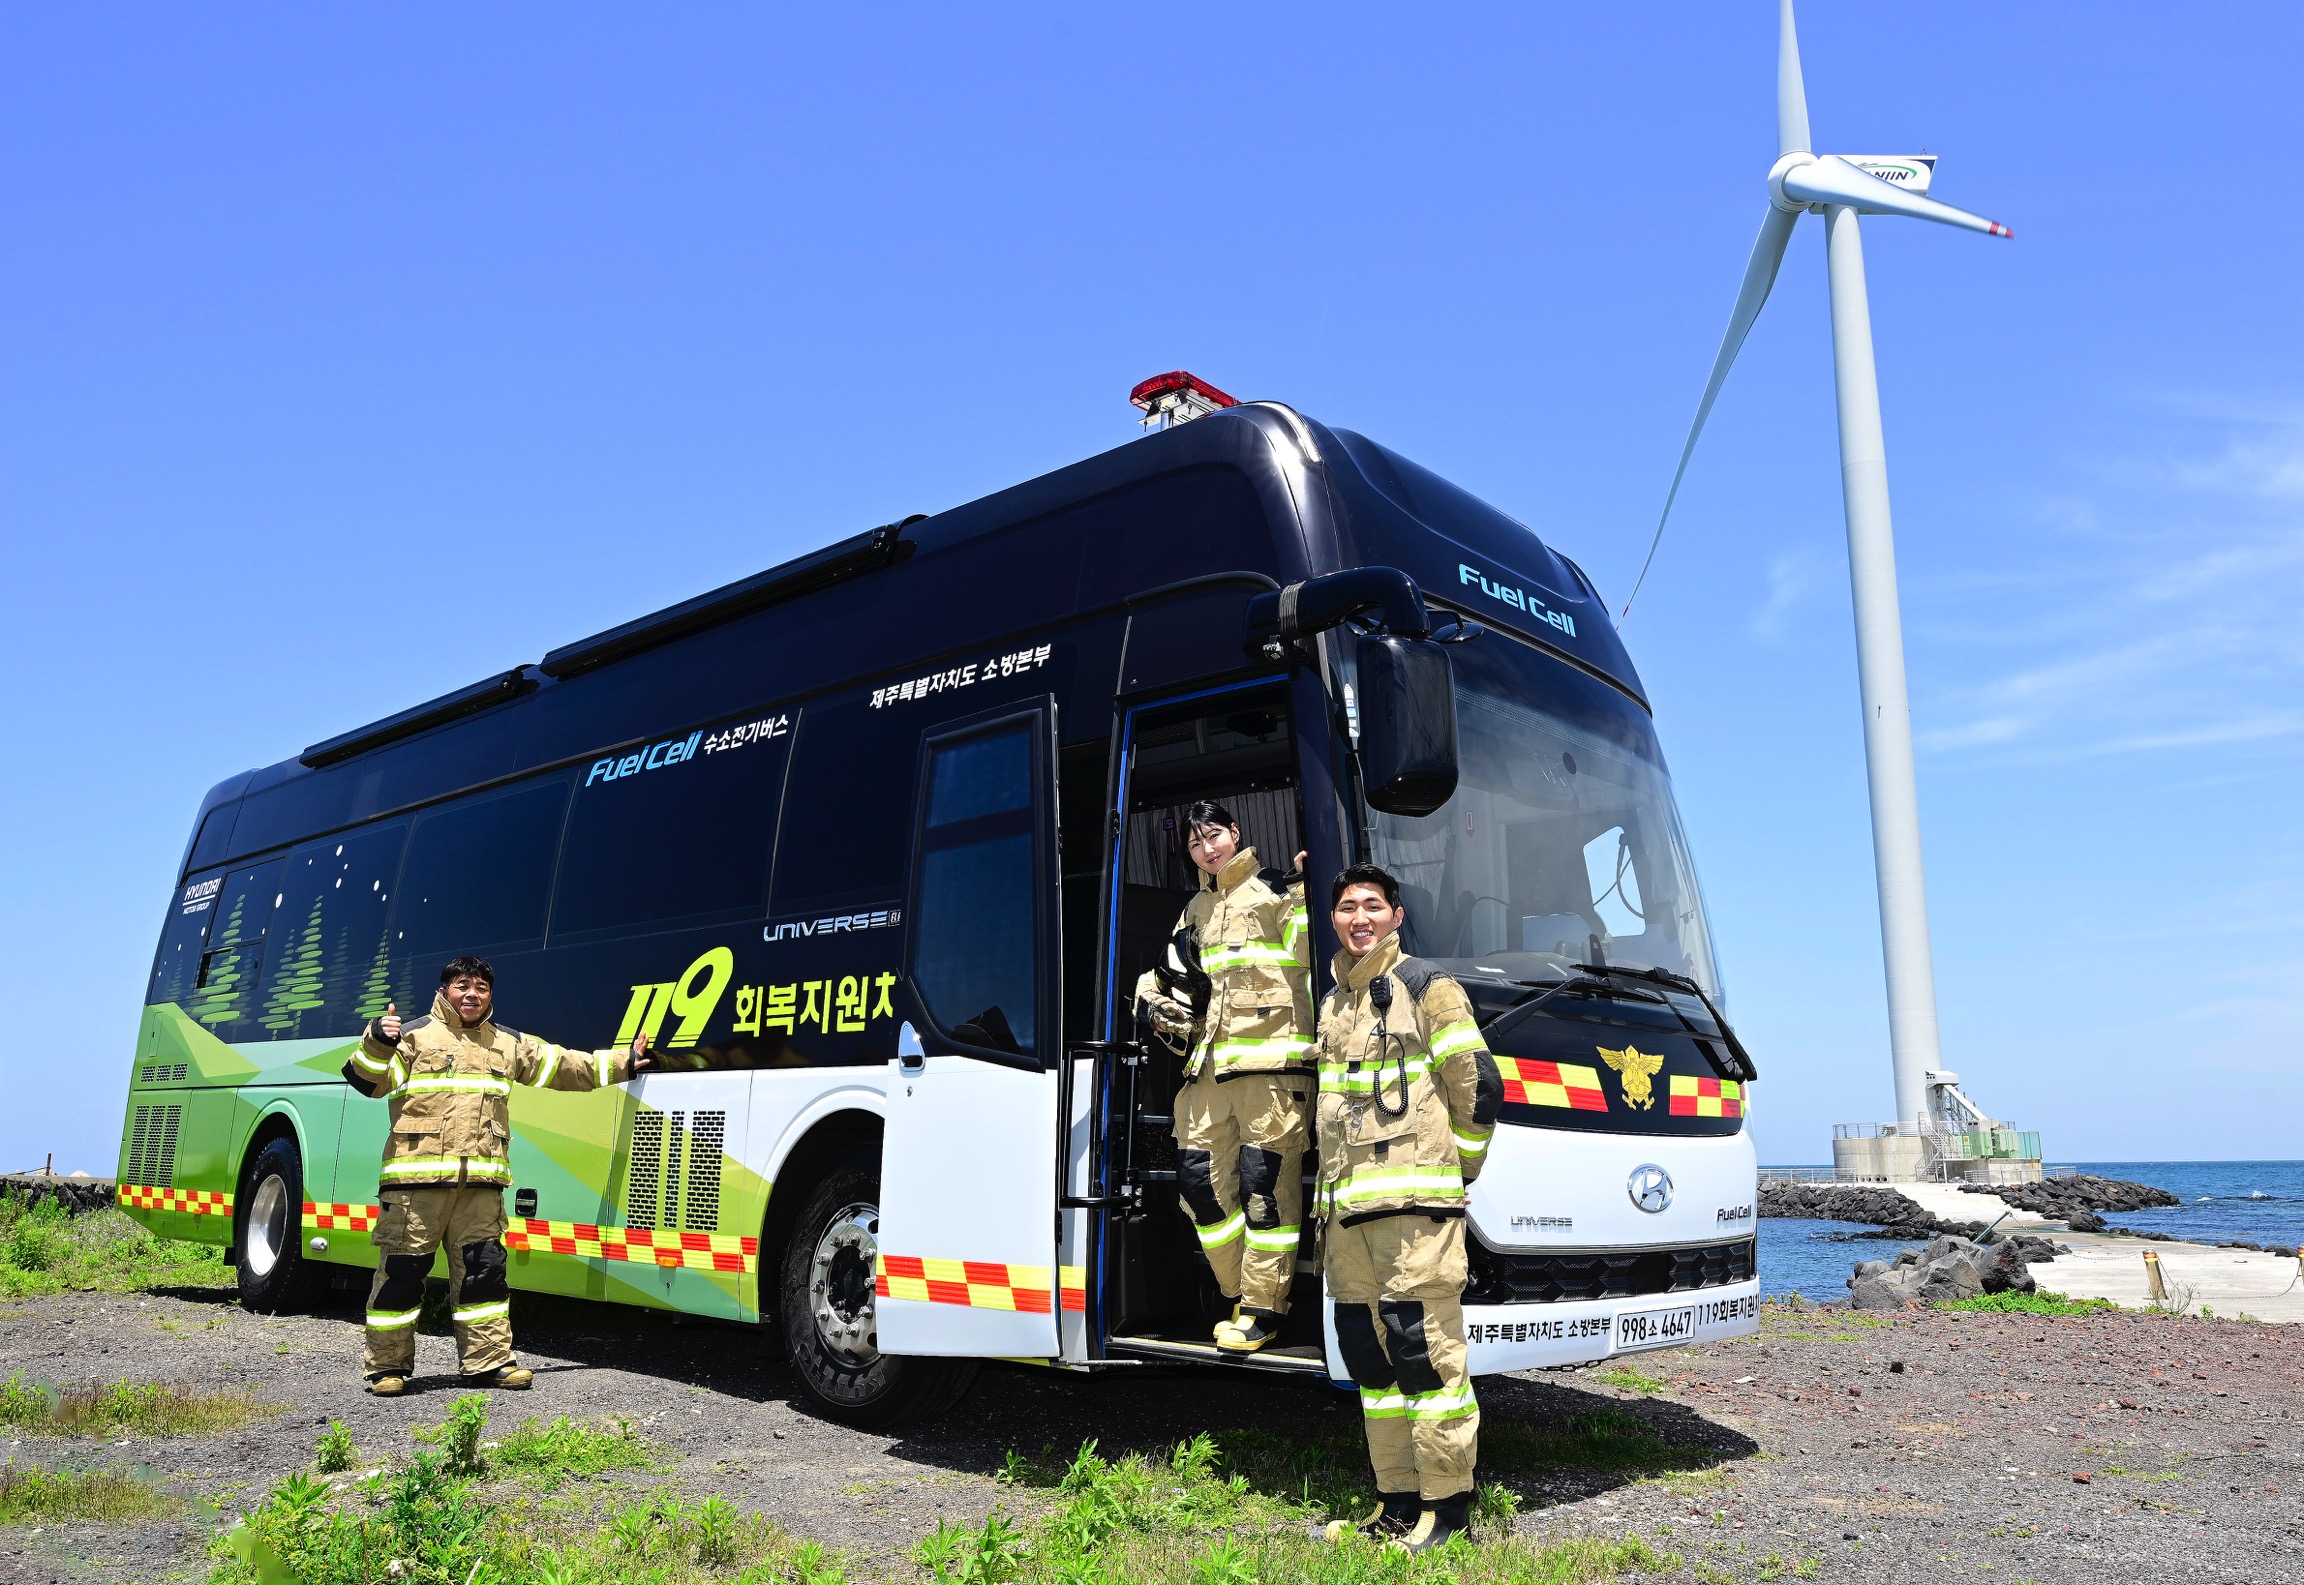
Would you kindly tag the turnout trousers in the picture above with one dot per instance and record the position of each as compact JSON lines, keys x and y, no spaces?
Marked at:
{"x":1398,"y":1286}
{"x":466,"y":1219}
{"x":1240,"y":1147}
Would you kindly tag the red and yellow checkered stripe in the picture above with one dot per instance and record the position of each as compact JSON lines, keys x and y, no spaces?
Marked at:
{"x":195,"y":1202}
{"x":1564,"y":1084}
{"x":346,"y":1218}
{"x":1694,"y":1097}
{"x":980,"y":1284}
{"x":649,"y":1246}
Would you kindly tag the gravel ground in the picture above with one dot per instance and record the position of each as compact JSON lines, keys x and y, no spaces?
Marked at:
{"x":1965,"y":1460}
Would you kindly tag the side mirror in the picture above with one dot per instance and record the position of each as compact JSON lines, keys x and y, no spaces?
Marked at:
{"x":1407,"y":724}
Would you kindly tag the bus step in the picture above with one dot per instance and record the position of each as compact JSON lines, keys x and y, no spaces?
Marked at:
{"x":1304,"y":1358}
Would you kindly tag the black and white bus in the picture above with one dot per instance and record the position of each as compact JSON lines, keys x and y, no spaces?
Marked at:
{"x":875,"y":844}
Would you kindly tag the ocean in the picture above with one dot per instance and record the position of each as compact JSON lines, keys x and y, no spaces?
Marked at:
{"x":2260,"y":1201}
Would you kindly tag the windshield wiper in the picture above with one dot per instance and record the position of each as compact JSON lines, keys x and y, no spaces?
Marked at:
{"x":1542,"y":991}
{"x":1741,"y":1064}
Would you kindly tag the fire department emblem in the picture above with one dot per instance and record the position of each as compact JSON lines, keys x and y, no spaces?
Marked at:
{"x":1638,"y":1068}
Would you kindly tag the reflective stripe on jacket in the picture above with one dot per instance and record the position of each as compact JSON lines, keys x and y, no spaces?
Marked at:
{"x":1256,"y":948}
{"x":1408,"y":1096}
{"x":449,"y":1090}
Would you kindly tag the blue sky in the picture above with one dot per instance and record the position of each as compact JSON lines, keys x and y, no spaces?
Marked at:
{"x":353,"y":355}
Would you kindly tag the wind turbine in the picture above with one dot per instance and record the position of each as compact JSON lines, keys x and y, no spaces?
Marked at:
{"x":1840,"y":188}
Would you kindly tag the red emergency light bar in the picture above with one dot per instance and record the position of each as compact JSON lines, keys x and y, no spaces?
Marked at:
{"x":1178,"y":382}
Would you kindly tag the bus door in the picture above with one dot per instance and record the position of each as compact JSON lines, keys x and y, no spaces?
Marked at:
{"x":967,"y":1255}
{"x":1234,"y":745}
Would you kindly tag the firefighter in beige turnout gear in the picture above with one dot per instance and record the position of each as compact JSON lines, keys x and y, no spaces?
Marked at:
{"x":1243,"y":1109}
{"x":448,"y":1080}
{"x":1408,"y":1102}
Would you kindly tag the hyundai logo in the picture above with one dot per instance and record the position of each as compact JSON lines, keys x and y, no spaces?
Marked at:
{"x":1650,"y":1187}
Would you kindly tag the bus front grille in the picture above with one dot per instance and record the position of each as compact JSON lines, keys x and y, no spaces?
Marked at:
{"x":1500,"y":1278}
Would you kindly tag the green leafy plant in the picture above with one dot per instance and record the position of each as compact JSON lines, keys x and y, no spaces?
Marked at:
{"x":715,"y":1527}
{"x":1225,"y":1564}
{"x":458,"y":1436}
{"x":334,"y":1451}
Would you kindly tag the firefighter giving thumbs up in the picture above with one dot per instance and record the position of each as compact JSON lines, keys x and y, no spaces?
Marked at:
{"x":448,"y":1081}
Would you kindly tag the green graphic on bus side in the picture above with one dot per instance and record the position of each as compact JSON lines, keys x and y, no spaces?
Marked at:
{"x":575,"y":1149}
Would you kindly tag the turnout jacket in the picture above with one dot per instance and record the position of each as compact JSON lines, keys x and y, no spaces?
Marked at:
{"x":450,"y":1092}
{"x":1255,"y":946}
{"x":1408,"y":1092}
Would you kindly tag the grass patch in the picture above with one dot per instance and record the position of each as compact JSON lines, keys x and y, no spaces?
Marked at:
{"x":546,"y":1456}
{"x":93,"y":1496}
{"x":43,"y":1250}
{"x":1629,"y":1379}
{"x":1205,"y":1512}
{"x":2041,"y":1303}
{"x":140,"y":1409}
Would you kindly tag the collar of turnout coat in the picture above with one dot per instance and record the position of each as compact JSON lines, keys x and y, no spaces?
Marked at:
{"x":445,"y":1015}
{"x":1242,"y":867}
{"x":1353,"y":973}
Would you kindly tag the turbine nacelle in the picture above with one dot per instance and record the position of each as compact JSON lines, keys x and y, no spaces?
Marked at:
{"x":1803,"y":181}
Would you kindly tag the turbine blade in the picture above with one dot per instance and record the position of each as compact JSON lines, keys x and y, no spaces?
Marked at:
{"x":1759,"y":280}
{"x":1832,"y":180}
{"x":1791,"y":91}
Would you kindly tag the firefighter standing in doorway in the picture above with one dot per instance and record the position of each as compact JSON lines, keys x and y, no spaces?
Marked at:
{"x":1408,"y":1100}
{"x":448,"y":1079}
{"x":1241,"y":1114}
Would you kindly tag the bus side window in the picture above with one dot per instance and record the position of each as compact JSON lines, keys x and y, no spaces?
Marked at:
{"x":177,"y":964}
{"x":975,"y":951}
{"x":849,"y":810}
{"x":222,"y":996}
{"x":478,"y":877}
{"x":673,"y":833}
{"x":329,"y":969}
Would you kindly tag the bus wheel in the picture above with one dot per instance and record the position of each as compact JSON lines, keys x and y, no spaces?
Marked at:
{"x":275,"y":1274}
{"x":829,"y":1312}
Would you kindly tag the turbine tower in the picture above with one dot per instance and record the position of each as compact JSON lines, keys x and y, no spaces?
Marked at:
{"x":1840,"y":188}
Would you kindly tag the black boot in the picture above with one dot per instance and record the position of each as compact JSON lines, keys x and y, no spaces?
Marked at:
{"x":1395,"y":1515}
{"x":1441,"y":1522}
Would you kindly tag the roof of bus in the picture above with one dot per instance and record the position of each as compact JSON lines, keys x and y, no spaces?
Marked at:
{"x":1332,"y":499}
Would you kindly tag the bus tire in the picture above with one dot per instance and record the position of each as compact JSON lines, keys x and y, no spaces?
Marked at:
{"x":268,"y":1233}
{"x":826,"y":1306}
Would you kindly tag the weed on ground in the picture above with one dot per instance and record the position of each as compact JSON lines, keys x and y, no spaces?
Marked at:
{"x":1629,"y":1379}
{"x":546,"y":1456}
{"x":2041,"y":1303}
{"x":140,"y":1409}
{"x":44,"y":1250}
{"x":101,"y":1496}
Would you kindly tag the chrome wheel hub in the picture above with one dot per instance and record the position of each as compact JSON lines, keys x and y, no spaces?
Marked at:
{"x":269,"y":1226}
{"x":840,"y":1294}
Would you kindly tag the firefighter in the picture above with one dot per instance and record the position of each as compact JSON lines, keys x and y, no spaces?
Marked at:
{"x":1408,"y":1100}
{"x":1235,"y":1001}
{"x":448,"y":1079}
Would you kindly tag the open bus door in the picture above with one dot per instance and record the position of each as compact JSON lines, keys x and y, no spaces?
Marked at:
{"x":967,"y":1257}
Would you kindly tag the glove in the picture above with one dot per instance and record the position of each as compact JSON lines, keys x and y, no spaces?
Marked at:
{"x":1170,"y":1018}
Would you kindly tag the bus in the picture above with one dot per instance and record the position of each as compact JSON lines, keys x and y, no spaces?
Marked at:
{"x":874,"y":845}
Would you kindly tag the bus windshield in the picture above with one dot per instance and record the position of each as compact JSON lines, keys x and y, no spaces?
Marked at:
{"x":1561,"y":844}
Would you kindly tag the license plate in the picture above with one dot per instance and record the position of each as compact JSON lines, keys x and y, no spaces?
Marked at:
{"x":1636,"y":1329}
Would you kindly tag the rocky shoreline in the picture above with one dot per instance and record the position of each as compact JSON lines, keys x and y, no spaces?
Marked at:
{"x":2078,"y":1202}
